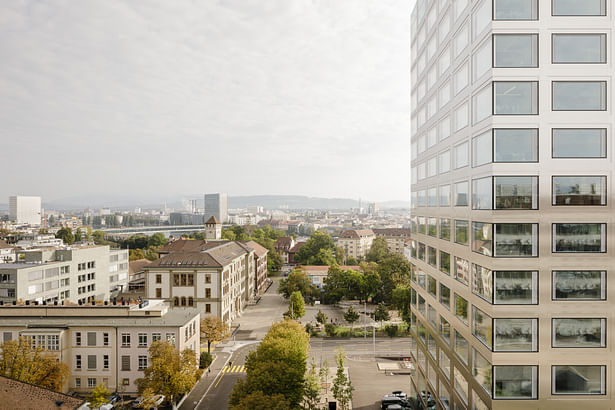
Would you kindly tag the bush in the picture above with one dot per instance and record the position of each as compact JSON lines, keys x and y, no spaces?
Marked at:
{"x":206,"y":359}
{"x":391,"y":330}
{"x":330,"y":329}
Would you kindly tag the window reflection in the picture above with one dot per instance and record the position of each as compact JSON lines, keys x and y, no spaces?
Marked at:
{"x":515,"y":145}
{"x":579,"y":237}
{"x":579,"y":143}
{"x":579,"y":95}
{"x":516,"y":240}
{"x":515,"y":382}
{"x":579,"y":285}
{"x":579,"y":379}
{"x":579,"y":190}
{"x":516,"y":192}
{"x":515,"y":287}
{"x":516,"y":335}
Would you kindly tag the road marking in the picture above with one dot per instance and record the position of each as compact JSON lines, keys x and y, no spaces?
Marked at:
{"x":234,"y":369}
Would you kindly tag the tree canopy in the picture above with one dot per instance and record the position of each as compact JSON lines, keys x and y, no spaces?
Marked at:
{"x":299,"y":281}
{"x":320,"y":249}
{"x":296,"y":306}
{"x":213,"y":329}
{"x":66,"y":234}
{"x":378,"y":251}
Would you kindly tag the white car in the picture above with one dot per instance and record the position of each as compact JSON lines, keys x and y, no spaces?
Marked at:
{"x":156,"y":401}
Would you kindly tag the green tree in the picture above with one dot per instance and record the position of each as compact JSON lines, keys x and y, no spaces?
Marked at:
{"x":157,"y":239}
{"x":401,"y":301}
{"x":394,"y":270}
{"x":321,"y":317}
{"x":296,"y":306}
{"x":20,"y":361}
{"x":99,"y":237}
{"x":78,"y":235}
{"x":322,"y":258}
{"x":257,"y":400}
{"x":213,"y":329}
{"x":378,"y":251}
{"x":308,"y":254}
{"x":228,"y":234}
{"x":274,"y":260}
{"x":311,"y":389}
{"x":98,"y":396}
{"x":351,"y":261}
{"x":66,"y":234}
{"x":298,"y":281}
{"x":52,"y":220}
{"x":342,"y":386}
{"x":381,"y":313}
{"x":368,"y":285}
{"x":169,"y":372}
{"x":351,"y":316}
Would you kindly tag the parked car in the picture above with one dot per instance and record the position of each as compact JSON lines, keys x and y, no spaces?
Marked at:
{"x":392,"y":402}
{"x":399,"y":394}
{"x":156,"y":401}
{"x":114,"y":398}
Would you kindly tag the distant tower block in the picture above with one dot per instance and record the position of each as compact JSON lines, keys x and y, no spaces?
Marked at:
{"x":213,"y":229}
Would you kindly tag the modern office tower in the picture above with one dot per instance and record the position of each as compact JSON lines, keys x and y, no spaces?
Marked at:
{"x":25,"y":210}
{"x":216,"y":205}
{"x":510,"y":173}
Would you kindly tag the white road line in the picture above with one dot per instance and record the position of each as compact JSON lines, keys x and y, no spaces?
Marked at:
{"x":212,"y":383}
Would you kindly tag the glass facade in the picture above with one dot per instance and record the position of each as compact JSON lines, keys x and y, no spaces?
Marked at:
{"x":579,"y":143}
{"x":579,"y":285}
{"x":579,"y":380}
{"x":515,"y":50}
{"x":579,"y":237}
{"x":579,"y":95}
{"x":579,"y":332}
{"x":516,"y":240}
{"x":578,"y":190}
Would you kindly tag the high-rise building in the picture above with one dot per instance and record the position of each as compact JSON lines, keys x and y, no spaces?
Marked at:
{"x":510,"y":171}
{"x":216,"y":205}
{"x":25,"y":209}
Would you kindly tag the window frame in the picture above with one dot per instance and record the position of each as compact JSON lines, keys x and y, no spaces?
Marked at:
{"x":603,"y":381}
{"x":535,"y":280}
{"x":537,"y":51}
{"x":535,"y":387}
{"x":606,"y":95}
{"x":534,"y":4}
{"x":604,"y":47}
{"x":604,"y":189}
{"x":605,"y":136}
{"x":604,"y":237}
{"x":537,"y":246}
{"x":537,"y":90}
{"x":604,"y":3}
{"x":493,"y":146}
{"x":535,"y":337}
{"x":603,"y":328}
{"x":603,"y":284}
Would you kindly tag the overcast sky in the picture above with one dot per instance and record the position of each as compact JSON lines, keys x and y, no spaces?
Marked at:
{"x":124,"y":97}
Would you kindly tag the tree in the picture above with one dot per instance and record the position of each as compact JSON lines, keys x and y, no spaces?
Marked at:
{"x":157,"y":240}
{"x":296,"y":306}
{"x":98,"y":396}
{"x":298,"y":281}
{"x":394,"y":270}
{"x":381,"y":313}
{"x":401,"y":301}
{"x":20,"y":361}
{"x":170,"y":372}
{"x":311,"y":389}
{"x":323,"y":375}
{"x":78,"y":235}
{"x":324,"y":257}
{"x":351,"y":316}
{"x":259,"y":401}
{"x":213,"y":329}
{"x":99,"y":237}
{"x":378,"y":251}
{"x":342,"y":386}
{"x":351,"y":261}
{"x":274,"y":260}
{"x":318,"y":241}
{"x":66,"y":234}
{"x":321,"y":317}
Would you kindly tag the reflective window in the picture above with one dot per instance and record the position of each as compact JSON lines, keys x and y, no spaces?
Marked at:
{"x":515,"y":335}
{"x":515,"y":145}
{"x":578,"y":379}
{"x":445,"y":229}
{"x":579,"y":237}
{"x":515,"y":9}
{"x":482,"y":194}
{"x":461,"y":308}
{"x":576,"y":190}
{"x":445,"y":262}
{"x":422,"y":252}
{"x":482,"y":60}
{"x":579,"y":8}
{"x":461,"y":194}
{"x":515,"y":50}
{"x":482,"y":105}
{"x":432,"y":197}
{"x":515,"y":382}
{"x":444,"y":94}
{"x":515,"y":287}
{"x":432,"y":227}
{"x":462,"y":348}
{"x":444,"y":161}
{"x":579,"y":95}
{"x":444,"y":129}
{"x":481,"y":370}
{"x":579,"y":285}
{"x":481,"y":18}
{"x":432,"y":316}
{"x":579,"y":48}
{"x":462,"y":270}
{"x":477,"y":402}
{"x":421,"y":304}
{"x":482,"y":282}
{"x":519,"y":239}
{"x":481,"y":149}
{"x":445,"y":332}
{"x":482,"y":326}
{"x":461,"y":385}
{"x":482,"y":238}
{"x":461,"y":40}
{"x":422,"y":224}
{"x":461,"y":117}
{"x":516,"y":192}
{"x":459,"y":6}
{"x":445,"y":61}
{"x":445,"y":195}
{"x":461,"y":78}
{"x":515,"y":97}
{"x":443,"y":392}
{"x":445,"y":296}
{"x":431,"y":256}
{"x":461,"y":155}
{"x":461,"y":232}
{"x":579,"y":143}
{"x":579,"y":332}
{"x":444,"y":27}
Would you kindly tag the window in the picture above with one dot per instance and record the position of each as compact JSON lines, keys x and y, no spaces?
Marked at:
{"x":421,"y":252}
{"x":7,"y":336}
{"x":106,"y":362}
{"x":432,"y":285}
{"x":482,"y":105}
{"x":515,"y":9}
{"x":482,"y":238}
{"x":125,"y":382}
{"x":444,"y":161}
{"x":515,"y":335}
{"x":125,"y":339}
{"x":459,"y":6}
{"x":482,"y":60}
{"x":432,"y":196}
{"x":432,"y":227}
{"x":482,"y":193}
{"x":91,"y":382}
{"x":461,"y":117}
{"x":579,"y":48}
{"x":481,"y":18}
{"x":515,"y":382}
{"x":445,"y":195}
{"x":515,"y":287}
{"x":77,"y":382}
{"x":445,"y":330}
{"x":579,"y":143}
{"x":444,"y":128}
{"x":481,"y":370}
{"x":462,"y":270}
{"x":142,"y":339}
{"x":105,"y":339}
{"x":577,"y":190}
{"x":158,"y":293}
{"x":461,"y":308}
{"x":445,"y":262}
{"x":579,"y":237}
{"x":156,"y":337}
{"x":445,"y":296}
{"x":421,"y":300}
{"x":208,"y":278}
{"x":516,"y":192}
{"x":461,"y":384}
{"x":579,"y":285}
{"x":125,"y":363}
{"x":208,"y":308}
{"x":578,"y":380}
{"x":482,"y":152}
{"x":517,"y":239}
{"x":579,"y":95}
{"x":78,"y":362}
{"x":515,"y":145}
{"x":142,"y":362}
{"x":579,"y":8}
{"x":91,"y":362}
{"x":443,"y":391}
{"x":482,"y":283}
{"x":461,"y":193}
{"x":579,"y":332}
{"x":515,"y":97}
{"x":91,"y":338}
{"x":462,"y":348}
{"x":461,"y":41}
{"x":78,"y":339}
{"x":515,"y":50}
{"x":445,"y":229}
{"x":171,"y":338}
{"x":461,"y":232}
{"x":482,"y":326}
{"x":158,"y":278}
{"x":461,"y":78}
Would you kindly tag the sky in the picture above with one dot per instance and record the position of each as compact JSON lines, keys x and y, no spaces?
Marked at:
{"x":161,"y":98}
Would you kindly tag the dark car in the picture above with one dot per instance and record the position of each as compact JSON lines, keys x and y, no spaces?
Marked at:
{"x":392,"y":402}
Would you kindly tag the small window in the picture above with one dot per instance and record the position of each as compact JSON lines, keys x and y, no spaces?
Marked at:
{"x":125,"y":339}
{"x":444,"y":195}
{"x":445,"y":296}
{"x":461,"y":308}
{"x":482,"y":327}
{"x":445,"y":229}
{"x":125,"y":363}
{"x":515,"y":98}
{"x":579,"y":237}
{"x":106,"y":362}
{"x":105,"y":339}
{"x":461,"y":232}
{"x":77,"y":382}
{"x":91,"y":338}
{"x":482,"y":282}
{"x":482,"y":104}
{"x":579,"y":332}
{"x":515,"y":9}
{"x":587,"y":380}
{"x":462,"y":348}
{"x":142,"y":362}
{"x":515,"y":145}
{"x":445,"y":262}
{"x":158,"y":278}
{"x":515,"y":382}
{"x":142,"y":339}
{"x":78,"y":361}
{"x":515,"y":50}
{"x":579,"y":95}
{"x":445,"y":331}
{"x":579,"y":285}
{"x":579,"y":190}
{"x":579,"y":143}
{"x":481,"y":148}
{"x":579,"y":48}
{"x":578,"y":7}
{"x":462,"y":270}
{"x":461,"y":193}
{"x":91,"y":362}
{"x":91,"y":382}
{"x":482,"y":193}
{"x":482,"y":238}
{"x":78,"y":339}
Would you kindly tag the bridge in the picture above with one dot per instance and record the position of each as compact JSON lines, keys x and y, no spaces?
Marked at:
{"x":150,"y":230}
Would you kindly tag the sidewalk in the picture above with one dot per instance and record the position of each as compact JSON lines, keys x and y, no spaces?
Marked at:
{"x":208,"y":378}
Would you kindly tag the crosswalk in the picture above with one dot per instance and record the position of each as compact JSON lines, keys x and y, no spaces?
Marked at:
{"x":233,"y":369}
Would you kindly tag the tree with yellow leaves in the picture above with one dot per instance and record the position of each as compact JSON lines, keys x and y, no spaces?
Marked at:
{"x":213,"y":329}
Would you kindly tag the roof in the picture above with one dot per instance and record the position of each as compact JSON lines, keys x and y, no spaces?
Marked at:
{"x":20,"y":395}
{"x":137,"y":266}
{"x":392,"y":231}
{"x":356,"y":233}
{"x":259,"y":250}
{"x":297,"y":246}
{"x":213,"y":220}
{"x":284,"y":241}
{"x":207,"y":254}
{"x":4,"y":245}
{"x":188,"y":245}
{"x":325,"y":268}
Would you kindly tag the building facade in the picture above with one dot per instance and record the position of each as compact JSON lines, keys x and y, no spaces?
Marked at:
{"x":102,"y":343}
{"x":512,"y":204}
{"x":216,"y":205}
{"x":356,"y":242}
{"x":395,"y":237}
{"x":25,"y":210}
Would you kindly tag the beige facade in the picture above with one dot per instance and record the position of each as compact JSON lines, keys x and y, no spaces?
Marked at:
{"x":104,"y":343}
{"x":511,"y":204}
{"x":395,"y":237}
{"x":356,"y":242}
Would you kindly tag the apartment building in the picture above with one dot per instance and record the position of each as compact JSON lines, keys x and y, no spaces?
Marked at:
{"x":395,"y":237}
{"x":25,"y":210}
{"x":511,"y":203}
{"x":260,"y":266}
{"x":216,"y":205}
{"x":102,"y":343}
{"x":356,"y":242}
{"x":79,"y":274}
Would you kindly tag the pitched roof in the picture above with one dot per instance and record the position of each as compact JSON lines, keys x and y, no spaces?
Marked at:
{"x":297,"y":246}
{"x":137,"y":266}
{"x":283,"y":241}
{"x":4,"y":245}
{"x":20,"y":395}
{"x":259,"y":250}
{"x":392,"y":231}
{"x":356,"y":233}
{"x":211,"y":254}
{"x":213,"y":220}
{"x":188,"y":245}
{"x":188,"y":259}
